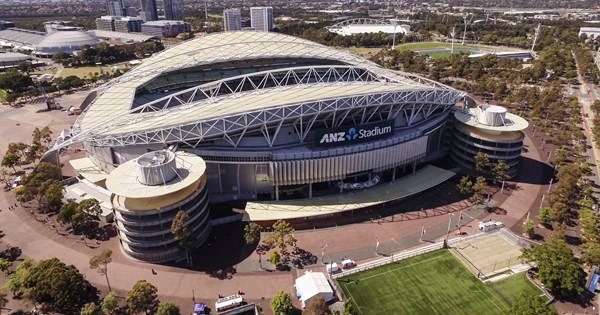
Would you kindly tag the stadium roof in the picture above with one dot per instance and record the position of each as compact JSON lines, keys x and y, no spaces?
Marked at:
{"x":136,"y":37}
{"x":13,"y":57}
{"x":21,"y":36}
{"x":112,"y":111}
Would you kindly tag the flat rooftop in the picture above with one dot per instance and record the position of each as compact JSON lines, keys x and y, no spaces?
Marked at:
{"x":425,"y":178}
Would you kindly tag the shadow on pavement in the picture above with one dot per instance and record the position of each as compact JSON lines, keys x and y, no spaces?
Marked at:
{"x":223,"y":250}
{"x":534,"y":172}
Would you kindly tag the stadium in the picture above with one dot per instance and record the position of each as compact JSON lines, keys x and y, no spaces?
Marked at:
{"x":298,"y":130}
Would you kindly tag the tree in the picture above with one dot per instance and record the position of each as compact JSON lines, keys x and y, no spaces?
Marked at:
{"x":275,"y":258}
{"x":110,"y":303}
{"x":281,"y":303}
{"x":531,"y":305}
{"x":482,"y":161}
{"x":52,"y":195}
{"x":62,"y":287}
{"x":90,"y":309}
{"x":349,"y":307}
{"x":67,"y":211}
{"x":317,"y":306}
{"x":479,"y":188}
{"x":142,"y":297}
{"x":168,"y":308}
{"x":558,"y":269}
{"x":528,"y":227}
{"x":545,"y":215}
{"x":87,"y":216}
{"x":4,"y":265}
{"x":465,"y":186}
{"x":281,"y":237}
{"x":182,"y":234}
{"x":252,"y":233}
{"x":100,"y":263}
{"x":41,"y":141}
{"x":500,"y":171}
{"x":560,"y":212}
{"x":590,"y":253}
{"x":13,"y":155}
{"x":16,"y":280}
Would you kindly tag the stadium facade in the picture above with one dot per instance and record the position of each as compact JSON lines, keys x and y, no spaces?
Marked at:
{"x":271,"y":116}
{"x":268,"y":113}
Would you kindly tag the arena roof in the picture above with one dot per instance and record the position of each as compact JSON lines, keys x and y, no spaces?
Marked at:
{"x":112,"y":111}
{"x":136,"y":37}
{"x":70,"y":38}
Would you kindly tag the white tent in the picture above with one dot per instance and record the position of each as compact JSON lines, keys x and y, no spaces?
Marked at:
{"x":311,"y":285}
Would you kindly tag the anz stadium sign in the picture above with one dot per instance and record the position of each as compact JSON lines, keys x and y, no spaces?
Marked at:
{"x":355,"y":134}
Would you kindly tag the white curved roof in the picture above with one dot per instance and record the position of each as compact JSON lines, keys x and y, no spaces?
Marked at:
{"x":512,"y":122}
{"x":71,"y":38}
{"x":111,"y":112}
{"x":124,"y":181}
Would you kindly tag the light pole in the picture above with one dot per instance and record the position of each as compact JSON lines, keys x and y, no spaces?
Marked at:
{"x":449,"y":224}
{"x":323,"y":252}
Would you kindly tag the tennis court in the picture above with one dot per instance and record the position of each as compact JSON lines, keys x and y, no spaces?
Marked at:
{"x":489,"y":254}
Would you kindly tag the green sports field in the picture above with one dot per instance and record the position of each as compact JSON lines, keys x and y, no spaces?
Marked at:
{"x":433,"y":283}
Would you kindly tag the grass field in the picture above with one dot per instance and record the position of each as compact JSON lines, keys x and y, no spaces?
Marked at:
{"x":434,"y":283}
{"x":83,"y":72}
{"x":513,"y":286}
{"x":442,"y":45}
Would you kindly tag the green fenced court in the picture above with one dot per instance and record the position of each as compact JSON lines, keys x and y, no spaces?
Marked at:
{"x":433,"y":283}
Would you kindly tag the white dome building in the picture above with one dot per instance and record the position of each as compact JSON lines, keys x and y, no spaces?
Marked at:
{"x":68,"y":40}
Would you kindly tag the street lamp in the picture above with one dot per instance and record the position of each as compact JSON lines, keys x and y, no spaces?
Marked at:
{"x":323,"y":252}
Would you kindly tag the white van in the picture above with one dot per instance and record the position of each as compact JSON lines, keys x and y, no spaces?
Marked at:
{"x":332,"y":268}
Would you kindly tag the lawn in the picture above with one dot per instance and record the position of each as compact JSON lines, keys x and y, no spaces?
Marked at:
{"x":83,"y":72}
{"x":433,"y":283}
{"x":513,"y":286}
{"x":443,"y":45}
{"x":3,"y":94}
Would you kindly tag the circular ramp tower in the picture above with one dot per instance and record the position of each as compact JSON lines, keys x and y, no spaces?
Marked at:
{"x":489,"y":129}
{"x":148,"y":192}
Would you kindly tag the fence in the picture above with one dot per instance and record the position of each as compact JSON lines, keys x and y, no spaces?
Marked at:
{"x":513,"y":239}
{"x":388,"y":260}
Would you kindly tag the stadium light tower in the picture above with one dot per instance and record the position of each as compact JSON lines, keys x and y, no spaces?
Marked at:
{"x":465,"y":31}
{"x":206,"y":10}
{"x":395,"y":22}
{"x":537,"y":33}
{"x":453,"y":33}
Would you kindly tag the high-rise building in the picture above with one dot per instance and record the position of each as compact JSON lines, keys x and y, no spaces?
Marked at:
{"x":128,"y":24}
{"x":232,"y":19}
{"x":148,"y":10}
{"x":173,"y":10}
{"x":165,"y":28}
{"x":129,"y":11}
{"x":106,"y":23}
{"x":261,"y":18}
{"x":114,"y":7}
